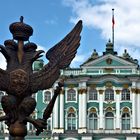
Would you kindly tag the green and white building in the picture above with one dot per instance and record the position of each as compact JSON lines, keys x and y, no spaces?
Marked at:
{"x":100,"y":101}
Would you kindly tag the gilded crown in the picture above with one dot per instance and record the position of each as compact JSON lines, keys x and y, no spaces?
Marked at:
{"x":20,"y":30}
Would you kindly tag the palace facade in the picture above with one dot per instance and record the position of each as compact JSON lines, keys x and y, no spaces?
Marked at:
{"x":99,"y":101}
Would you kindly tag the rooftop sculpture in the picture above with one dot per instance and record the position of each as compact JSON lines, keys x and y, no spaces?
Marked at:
{"x":20,"y":82}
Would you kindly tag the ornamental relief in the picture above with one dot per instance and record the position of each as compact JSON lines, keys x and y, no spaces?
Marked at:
{"x":101,"y":91}
{"x":108,"y":85}
{"x":125,"y":86}
{"x":135,"y":90}
{"x":126,"y":110}
{"x":82,"y":90}
{"x":62,"y":91}
{"x":118,"y":91}
{"x":93,"y":110}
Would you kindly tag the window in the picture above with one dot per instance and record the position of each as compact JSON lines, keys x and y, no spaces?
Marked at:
{"x":92,"y":94}
{"x":93,"y":120}
{"x":34,"y":96}
{"x":125,"y":121}
{"x":71,"y":119}
{"x":47,"y":96}
{"x":71,"y":95}
{"x":109,"y":94}
{"x":109,"y":121}
{"x":31,"y":126}
{"x":2,"y":125}
{"x":125,"y":94}
{"x":1,"y":94}
{"x":49,"y":124}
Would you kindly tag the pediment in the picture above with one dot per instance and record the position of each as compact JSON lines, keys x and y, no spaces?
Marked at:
{"x":109,"y":61}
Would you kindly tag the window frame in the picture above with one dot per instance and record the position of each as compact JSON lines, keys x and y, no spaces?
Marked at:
{"x":125,"y":119}
{"x":50,"y":94}
{"x":70,"y":119}
{"x":109,"y":96}
{"x":109,"y":119}
{"x":125,"y":96}
{"x":92,"y":94}
{"x":73,"y":94}
{"x":94,"y":119}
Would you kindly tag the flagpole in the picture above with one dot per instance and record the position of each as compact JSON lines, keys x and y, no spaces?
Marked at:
{"x":113,"y":22}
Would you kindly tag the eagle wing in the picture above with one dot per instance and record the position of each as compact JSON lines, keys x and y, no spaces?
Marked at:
{"x":60,"y":57}
{"x":4,"y":80}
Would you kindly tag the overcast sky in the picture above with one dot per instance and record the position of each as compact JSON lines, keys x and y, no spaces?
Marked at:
{"x":53,"y":19}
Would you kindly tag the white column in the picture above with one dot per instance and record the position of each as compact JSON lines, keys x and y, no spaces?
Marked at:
{"x":84,"y":109}
{"x":118,"y":109}
{"x":138,"y":111}
{"x":80,"y":109}
{"x":62,"y":110}
{"x":55,"y":115}
{"x":101,"y":109}
{"x":134,"y":110}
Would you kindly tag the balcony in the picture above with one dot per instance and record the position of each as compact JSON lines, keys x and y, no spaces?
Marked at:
{"x":109,"y":131}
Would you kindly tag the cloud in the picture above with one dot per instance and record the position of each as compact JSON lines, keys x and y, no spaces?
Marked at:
{"x":98,"y":14}
{"x":39,"y":47}
{"x":2,"y":62}
{"x":51,"y":21}
{"x":79,"y":59}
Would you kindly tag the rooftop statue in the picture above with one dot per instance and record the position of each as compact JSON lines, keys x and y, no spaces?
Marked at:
{"x":20,"y":82}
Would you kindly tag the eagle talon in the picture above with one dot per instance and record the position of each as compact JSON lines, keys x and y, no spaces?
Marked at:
{"x":39,"y":124}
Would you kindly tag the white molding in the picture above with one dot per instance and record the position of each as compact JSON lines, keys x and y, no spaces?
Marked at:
{"x":66,"y":117}
{"x":43,"y":96}
{"x":120,"y":60}
{"x":66,"y":93}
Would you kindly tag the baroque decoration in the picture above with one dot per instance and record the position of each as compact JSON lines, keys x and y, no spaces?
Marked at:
{"x":20,"y":82}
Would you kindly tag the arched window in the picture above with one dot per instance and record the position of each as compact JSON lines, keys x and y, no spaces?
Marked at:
{"x":109,"y":121}
{"x":93,"y":121}
{"x":125,"y":121}
{"x":109,"y":94}
{"x":92,"y":94}
{"x":125,"y":94}
{"x":47,"y":96}
{"x":71,"y":119}
{"x":71,"y":95}
{"x":1,"y":95}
